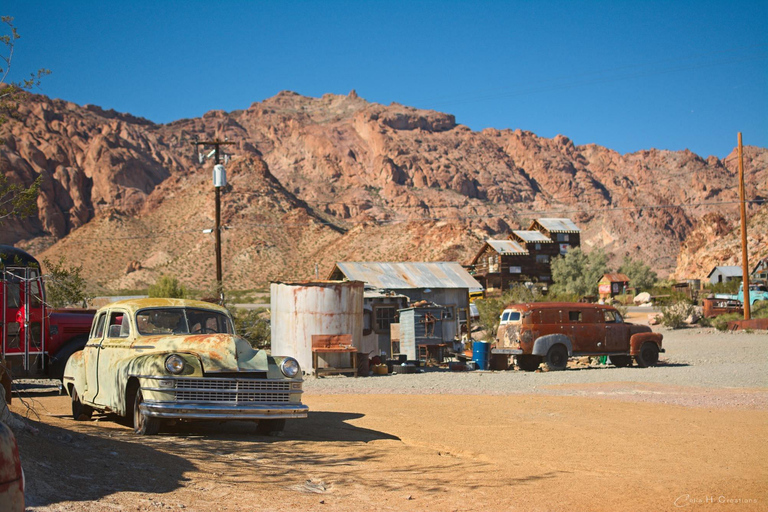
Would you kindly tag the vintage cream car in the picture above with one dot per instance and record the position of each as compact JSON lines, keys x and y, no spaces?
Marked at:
{"x":150,"y":360}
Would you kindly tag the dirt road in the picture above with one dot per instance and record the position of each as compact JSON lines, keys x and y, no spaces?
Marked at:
{"x":412,"y":452}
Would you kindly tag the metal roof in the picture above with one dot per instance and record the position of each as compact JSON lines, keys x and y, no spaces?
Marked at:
{"x":615,"y":277}
{"x":728,"y":270}
{"x":559,"y":225}
{"x":506,"y":247}
{"x":532,"y":236}
{"x":409,"y":275}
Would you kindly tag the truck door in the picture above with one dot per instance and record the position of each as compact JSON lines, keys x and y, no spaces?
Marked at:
{"x":616,"y":332}
{"x":91,"y":358}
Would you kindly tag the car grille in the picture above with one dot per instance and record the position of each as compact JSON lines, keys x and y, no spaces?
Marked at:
{"x":232,"y":390}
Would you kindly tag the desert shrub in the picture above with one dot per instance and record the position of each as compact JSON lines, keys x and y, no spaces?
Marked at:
{"x":64,"y":285}
{"x":674,"y":315}
{"x":167,"y":287}
{"x":253,"y":325}
{"x":640,"y":275}
{"x":489,"y":310}
{"x":721,"y":322}
{"x":577,"y":272}
{"x":724,"y":287}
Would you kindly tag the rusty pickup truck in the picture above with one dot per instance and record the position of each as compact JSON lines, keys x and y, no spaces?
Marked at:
{"x":551,"y":332}
{"x":153,"y":360}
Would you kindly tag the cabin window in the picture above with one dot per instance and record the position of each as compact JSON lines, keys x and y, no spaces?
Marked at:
{"x":542,"y":258}
{"x":385,"y":315}
{"x":118,"y":325}
{"x":538,"y":247}
{"x":98,"y":330}
{"x":574,"y":316}
{"x":562,"y":237}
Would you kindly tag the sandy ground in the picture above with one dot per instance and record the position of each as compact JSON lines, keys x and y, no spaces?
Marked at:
{"x":607,"y":443}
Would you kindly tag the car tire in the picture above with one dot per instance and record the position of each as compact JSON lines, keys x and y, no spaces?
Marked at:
{"x":648,"y":355}
{"x":270,"y":427}
{"x":621,"y":361}
{"x":557,"y":358}
{"x":528,"y":363}
{"x":143,"y":425}
{"x":80,"y":411}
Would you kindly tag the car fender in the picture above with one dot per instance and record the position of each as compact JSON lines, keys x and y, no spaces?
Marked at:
{"x":637,"y":340}
{"x":542,"y":345}
{"x":74,"y":373}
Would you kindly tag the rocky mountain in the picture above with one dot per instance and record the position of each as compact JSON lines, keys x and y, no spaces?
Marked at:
{"x":319,"y":180}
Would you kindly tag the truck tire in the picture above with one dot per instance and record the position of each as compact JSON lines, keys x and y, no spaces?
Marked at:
{"x":648,"y":355}
{"x":59,"y":360}
{"x":557,"y":358}
{"x":80,"y":411}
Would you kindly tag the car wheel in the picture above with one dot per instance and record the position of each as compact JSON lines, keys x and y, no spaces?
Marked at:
{"x":270,"y":427}
{"x":648,"y":356}
{"x":528,"y":363}
{"x":80,"y":411}
{"x":143,"y":425}
{"x":557,"y":358}
{"x":620,"y":361}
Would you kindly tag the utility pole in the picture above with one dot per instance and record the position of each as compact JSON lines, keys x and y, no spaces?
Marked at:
{"x":219,"y":180}
{"x":744,"y":253}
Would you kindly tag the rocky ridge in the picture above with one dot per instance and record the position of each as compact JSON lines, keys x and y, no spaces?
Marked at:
{"x":319,"y":180}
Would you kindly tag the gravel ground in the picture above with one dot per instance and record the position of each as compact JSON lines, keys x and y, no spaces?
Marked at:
{"x":701,"y":367}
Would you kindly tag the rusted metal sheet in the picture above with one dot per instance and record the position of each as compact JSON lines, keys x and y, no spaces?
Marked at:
{"x":715,"y":307}
{"x":754,"y":323}
{"x":11,"y":479}
{"x":408,"y":275}
{"x":301,"y":310}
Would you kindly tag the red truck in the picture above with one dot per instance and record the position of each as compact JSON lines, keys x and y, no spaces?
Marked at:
{"x":35,"y":340}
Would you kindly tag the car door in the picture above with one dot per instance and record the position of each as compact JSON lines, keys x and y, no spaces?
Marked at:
{"x":91,"y":358}
{"x":616,"y":332}
{"x":115,"y":347}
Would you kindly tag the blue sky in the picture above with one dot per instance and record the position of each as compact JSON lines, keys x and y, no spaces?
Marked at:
{"x":626,"y":75}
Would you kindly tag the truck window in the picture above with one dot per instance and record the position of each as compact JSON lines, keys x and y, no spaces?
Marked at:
{"x":504,"y":317}
{"x":612,"y":317}
{"x":574,"y":316}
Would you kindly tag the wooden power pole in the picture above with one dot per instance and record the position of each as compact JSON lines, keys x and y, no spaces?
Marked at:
{"x":217,"y":188}
{"x":744,"y":253}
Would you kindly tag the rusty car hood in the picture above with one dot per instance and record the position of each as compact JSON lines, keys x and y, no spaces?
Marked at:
{"x":217,"y":352}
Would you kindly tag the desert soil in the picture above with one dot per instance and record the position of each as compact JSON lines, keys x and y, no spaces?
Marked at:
{"x":690,"y":433}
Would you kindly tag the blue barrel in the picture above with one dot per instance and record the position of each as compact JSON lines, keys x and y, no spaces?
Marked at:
{"x":480,"y":352}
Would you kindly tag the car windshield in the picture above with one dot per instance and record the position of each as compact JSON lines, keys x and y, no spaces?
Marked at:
{"x":182,"y":321}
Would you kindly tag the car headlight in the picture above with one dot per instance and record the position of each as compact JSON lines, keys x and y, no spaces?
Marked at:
{"x":289,"y":367}
{"x":174,"y":364}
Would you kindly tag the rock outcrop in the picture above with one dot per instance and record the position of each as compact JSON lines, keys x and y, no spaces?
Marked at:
{"x":317,"y":180}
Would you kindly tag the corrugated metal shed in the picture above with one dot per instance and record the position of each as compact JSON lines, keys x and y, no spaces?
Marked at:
{"x":408,"y":275}
{"x":559,"y":225}
{"x":533,"y":236}
{"x":728,"y":270}
{"x":507,"y":247}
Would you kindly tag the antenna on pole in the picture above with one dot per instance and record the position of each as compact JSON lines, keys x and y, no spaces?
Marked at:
{"x":219,"y":181}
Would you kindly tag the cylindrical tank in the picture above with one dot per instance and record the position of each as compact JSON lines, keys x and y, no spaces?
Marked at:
{"x":299,"y":310}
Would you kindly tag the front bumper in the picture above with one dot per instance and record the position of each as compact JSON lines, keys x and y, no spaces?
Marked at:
{"x":220,"y":411}
{"x":221,"y":398}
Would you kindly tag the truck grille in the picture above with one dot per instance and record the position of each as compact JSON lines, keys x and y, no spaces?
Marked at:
{"x":232,"y":390}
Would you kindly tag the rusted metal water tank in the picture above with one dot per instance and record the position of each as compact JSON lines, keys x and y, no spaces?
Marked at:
{"x":300,"y":310}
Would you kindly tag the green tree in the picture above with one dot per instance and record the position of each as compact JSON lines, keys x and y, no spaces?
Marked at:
{"x":640,"y":275}
{"x":64,"y":285}
{"x":16,"y":199}
{"x":254,"y":326}
{"x":577,"y":272}
{"x":167,"y":287}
